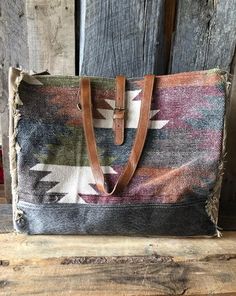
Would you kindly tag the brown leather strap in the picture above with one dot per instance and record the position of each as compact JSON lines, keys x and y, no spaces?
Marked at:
{"x":140,"y":137}
{"x":119,"y":111}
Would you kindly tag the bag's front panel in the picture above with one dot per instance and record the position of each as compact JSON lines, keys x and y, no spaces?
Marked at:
{"x":174,"y":187}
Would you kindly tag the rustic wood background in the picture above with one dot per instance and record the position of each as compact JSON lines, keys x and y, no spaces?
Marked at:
{"x":110,"y":37}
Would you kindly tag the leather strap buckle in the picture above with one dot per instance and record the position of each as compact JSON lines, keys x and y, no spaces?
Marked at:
{"x":119,"y":113}
{"x":119,"y":108}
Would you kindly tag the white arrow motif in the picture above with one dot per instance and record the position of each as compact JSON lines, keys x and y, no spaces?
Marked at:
{"x":72,"y":180}
{"x":133,"y":111}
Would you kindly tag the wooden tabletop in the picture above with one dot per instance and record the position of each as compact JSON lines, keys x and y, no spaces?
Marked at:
{"x":114,"y":265}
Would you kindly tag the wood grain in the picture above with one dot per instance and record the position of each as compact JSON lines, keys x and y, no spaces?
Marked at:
{"x":35,"y":35}
{"x":5,"y":218}
{"x":122,"y":37}
{"x":169,"y":28}
{"x":205,"y":35}
{"x":49,"y":277}
{"x":2,"y":194}
{"x":51,"y":37}
{"x":13,"y":52}
{"x":98,"y":265}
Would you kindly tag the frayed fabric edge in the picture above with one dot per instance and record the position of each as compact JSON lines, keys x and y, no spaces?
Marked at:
{"x":14,"y":80}
{"x":212,"y":203}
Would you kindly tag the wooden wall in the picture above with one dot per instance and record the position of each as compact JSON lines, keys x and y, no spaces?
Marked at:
{"x":35,"y":35}
{"x":124,"y":37}
{"x":51,"y":35}
{"x":110,"y":37}
{"x":13,"y":52}
{"x":204,"y":35}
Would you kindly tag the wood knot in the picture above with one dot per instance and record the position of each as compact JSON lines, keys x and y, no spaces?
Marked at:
{"x":4,"y":262}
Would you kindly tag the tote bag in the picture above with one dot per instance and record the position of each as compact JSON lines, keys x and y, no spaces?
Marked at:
{"x":140,"y":156}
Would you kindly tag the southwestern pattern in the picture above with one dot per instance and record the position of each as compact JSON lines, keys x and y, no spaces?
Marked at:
{"x":178,"y":173}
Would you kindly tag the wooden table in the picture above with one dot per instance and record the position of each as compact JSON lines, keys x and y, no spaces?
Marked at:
{"x":98,"y":265}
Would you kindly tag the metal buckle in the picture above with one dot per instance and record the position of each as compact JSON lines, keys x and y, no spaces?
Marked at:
{"x":119,"y":109}
{"x":118,"y":113}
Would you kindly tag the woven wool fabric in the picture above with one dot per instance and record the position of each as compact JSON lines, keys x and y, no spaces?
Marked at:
{"x":175,"y":189}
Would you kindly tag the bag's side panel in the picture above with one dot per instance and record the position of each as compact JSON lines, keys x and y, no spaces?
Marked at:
{"x":15,"y":78}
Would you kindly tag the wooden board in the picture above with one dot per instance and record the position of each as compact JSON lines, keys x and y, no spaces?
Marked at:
{"x":5,"y":218}
{"x":2,"y":194}
{"x":35,"y":35}
{"x":51,"y":37}
{"x":109,"y":265}
{"x":13,"y":52}
{"x":125,"y":37}
{"x":205,"y":35}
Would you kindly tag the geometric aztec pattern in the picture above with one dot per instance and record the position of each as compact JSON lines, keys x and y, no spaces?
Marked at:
{"x":181,"y":156}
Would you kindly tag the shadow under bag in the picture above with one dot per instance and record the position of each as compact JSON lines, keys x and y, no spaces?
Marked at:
{"x":140,"y":156}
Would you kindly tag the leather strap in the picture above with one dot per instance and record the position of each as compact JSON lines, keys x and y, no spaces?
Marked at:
{"x":139,"y":141}
{"x":119,"y":111}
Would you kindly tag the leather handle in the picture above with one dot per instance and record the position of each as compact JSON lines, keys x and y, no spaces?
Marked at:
{"x":139,"y":141}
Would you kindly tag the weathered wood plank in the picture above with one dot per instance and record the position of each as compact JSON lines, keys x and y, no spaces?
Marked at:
{"x":50,"y":277}
{"x":98,"y":265}
{"x":169,"y":28}
{"x":79,"y":31}
{"x":124,"y":37}
{"x":3,"y":200}
{"x":13,"y":52}
{"x":51,"y":37}
{"x":5,"y":218}
{"x":35,"y":35}
{"x":2,"y":195}
{"x":205,"y":35}
{"x":28,"y":247}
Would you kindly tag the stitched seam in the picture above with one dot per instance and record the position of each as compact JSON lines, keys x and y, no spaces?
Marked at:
{"x":116,"y":207}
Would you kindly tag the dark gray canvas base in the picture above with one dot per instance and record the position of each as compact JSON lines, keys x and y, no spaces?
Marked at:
{"x":183,"y":219}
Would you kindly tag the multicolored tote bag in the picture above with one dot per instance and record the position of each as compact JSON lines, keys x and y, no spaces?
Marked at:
{"x":95,"y":155}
